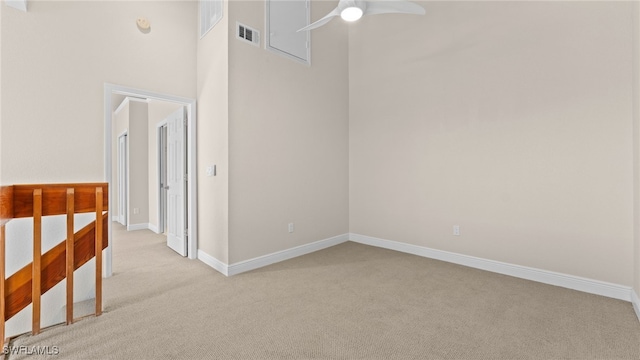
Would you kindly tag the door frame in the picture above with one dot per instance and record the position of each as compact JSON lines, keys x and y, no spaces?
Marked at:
{"x":192,"y":188}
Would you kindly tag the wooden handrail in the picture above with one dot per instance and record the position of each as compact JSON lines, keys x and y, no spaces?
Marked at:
{"x":6,"y":204}
{"x":27,"y":285}
{"x":54,"y":198}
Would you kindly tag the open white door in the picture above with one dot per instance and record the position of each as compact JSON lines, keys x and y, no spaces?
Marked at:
{"x":176,"y":182}
{"x":122,"y":179}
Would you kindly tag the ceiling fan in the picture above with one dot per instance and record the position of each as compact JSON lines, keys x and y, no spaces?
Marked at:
{"x":352,"y":10}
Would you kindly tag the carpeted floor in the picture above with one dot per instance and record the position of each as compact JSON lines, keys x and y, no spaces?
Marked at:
{"x":350,"y":301}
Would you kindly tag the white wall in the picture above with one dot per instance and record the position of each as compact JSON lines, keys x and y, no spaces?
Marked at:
{"x":510,"y":119}
{"x":85,"y":44}
{"x":138,"y":165}
{"x":213,"y":140}
{"x":288,"y":139}
{"x":120,"y":124}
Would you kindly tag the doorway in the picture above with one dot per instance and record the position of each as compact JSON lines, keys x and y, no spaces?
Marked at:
{"x":162,"y":176}
{"x":189,"y":174}
{"x":122,"y":179}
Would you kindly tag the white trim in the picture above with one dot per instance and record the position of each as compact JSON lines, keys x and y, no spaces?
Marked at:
{"x":134,"y":227}
{"x":114,"y":218}
{"x":213,"y":262}
{"x":121,"y":106}
{"x":123,"y":210}
{"x":261,"y":261}
{"x":141,"y":226}
{"x":153,"y":228}
{"x":192,"y":184}
{"x":126,"y":101}
{"x":635,"y":300}
{"x":543,"y":276}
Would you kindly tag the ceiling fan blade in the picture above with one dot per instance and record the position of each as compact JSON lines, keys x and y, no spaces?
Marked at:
{"x":322,"y":21}
{"x":393,"y":6}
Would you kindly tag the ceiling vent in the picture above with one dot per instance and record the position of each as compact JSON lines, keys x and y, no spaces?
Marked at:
{"x":248,"y":34}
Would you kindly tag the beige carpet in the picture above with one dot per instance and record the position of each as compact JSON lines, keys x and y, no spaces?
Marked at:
{"x":350,"y":301}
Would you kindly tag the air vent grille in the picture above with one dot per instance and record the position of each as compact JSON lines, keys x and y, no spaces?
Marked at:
{"x":248,"y":34}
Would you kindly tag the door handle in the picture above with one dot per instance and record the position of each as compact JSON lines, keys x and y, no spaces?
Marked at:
{"x":166,"y":188}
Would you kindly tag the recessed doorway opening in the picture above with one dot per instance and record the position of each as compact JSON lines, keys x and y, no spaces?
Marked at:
{"x":172,"y":161}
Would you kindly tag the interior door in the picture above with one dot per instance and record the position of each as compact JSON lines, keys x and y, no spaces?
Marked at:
{"x":176,"y":182}
{"x":122,"y":179}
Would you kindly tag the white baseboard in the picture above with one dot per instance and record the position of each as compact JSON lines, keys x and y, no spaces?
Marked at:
{"x":143,"y":226}
{"x":114,"y":218}
{"x":133,"y":227}
{"x":636,"y":303}
{"x":213,"y":262}
{"x":543,"y":276}
{"x":262,"y":261}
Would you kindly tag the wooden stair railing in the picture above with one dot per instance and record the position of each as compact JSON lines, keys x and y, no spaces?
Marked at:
{"x":28,"y":284}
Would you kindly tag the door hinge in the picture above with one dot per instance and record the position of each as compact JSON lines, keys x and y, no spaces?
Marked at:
{"x":186,"y":177}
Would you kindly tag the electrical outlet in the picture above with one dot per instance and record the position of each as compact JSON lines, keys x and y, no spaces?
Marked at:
{"x":136,"y":210}
{"x":456,"y":230}
{"x":290,"y":227}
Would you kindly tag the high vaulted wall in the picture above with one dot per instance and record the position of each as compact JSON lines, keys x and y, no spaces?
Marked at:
{"x":277,"y":131}
{"x":288,"y":139}
{"x":56,"y":59}
{"x":512,"y":120}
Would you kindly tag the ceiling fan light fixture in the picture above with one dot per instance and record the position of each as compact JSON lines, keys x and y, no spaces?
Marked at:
{"x":352,"y":10}
{"x":351,"y":13}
